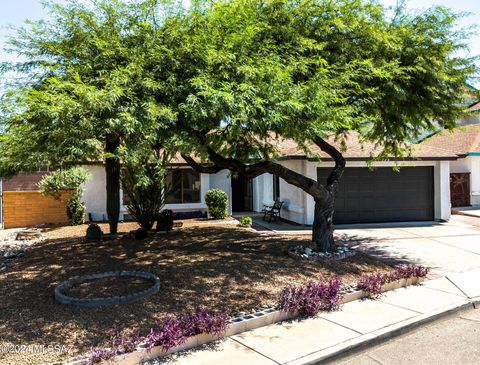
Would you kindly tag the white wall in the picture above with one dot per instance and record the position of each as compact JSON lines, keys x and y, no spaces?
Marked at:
{"x":299,"y":206}
{"x":475,"y":181}
{"x":221,"y":180}
{"x":461,"y":165}
{"x":294,"y":198}
{"x":443,"y":204}
{"x":262,"y":191}
{"x":94,"y":195}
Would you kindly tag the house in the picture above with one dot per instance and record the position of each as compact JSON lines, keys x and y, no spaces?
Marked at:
{"x":23,"y":205}
{"x":419,"y":191}
{"x":464,"y":172}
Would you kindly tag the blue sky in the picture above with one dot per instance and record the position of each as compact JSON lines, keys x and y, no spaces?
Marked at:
{"x":14,"y":12}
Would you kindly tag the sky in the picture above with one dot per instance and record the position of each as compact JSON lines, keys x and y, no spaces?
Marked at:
{"x":14,"y":12}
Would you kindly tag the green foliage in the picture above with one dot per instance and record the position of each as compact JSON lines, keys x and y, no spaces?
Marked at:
{"x":226,"y":76}
{"x":217,"y":203}
{"x":143,"y":180}
{"x":69,"y":182}
{"x":75,"y":210}
{"x":63,"y":180}
{"x":246,"y":221}
{"x":84,"y":82}
{"x":165,"y":221}
{"x":94,"y":232}
{"x":311,"y":68}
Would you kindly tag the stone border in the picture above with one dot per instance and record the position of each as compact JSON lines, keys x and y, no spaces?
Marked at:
{"x":105,"y":301}
{"x":237,"y":325}
{"x":343,"y":253}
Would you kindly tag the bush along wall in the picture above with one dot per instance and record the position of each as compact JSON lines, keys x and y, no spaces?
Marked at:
{"x":217,"y":203}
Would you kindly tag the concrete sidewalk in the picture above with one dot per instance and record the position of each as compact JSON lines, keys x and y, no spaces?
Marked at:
{"x":356,"y":325}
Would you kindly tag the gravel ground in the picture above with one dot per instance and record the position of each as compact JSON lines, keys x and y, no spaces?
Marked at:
{"x":211,"y":264}
{"x":12,"y":249}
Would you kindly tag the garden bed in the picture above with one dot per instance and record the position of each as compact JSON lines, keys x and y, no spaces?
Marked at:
{"x":215,"y":266}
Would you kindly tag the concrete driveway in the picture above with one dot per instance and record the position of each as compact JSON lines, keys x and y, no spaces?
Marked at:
{"x":445,"y":247}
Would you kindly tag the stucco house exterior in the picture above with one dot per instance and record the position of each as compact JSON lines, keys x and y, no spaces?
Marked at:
{"x":419,"y":191}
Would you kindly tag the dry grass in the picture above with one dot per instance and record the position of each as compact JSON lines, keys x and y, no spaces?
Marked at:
{"x":220,"y":267}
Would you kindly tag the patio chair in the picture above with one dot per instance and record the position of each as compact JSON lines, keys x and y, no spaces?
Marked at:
{"x":273,"y":212}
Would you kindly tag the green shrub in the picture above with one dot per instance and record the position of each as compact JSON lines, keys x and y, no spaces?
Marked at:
{"x":246,"y":221}
{"x":144,"y":183}
{"x":75,"y":210}
{"x":217,"y":203}
{"x":165,"y":220}
{"x":71,"y":181}
{"x":94,"y":232}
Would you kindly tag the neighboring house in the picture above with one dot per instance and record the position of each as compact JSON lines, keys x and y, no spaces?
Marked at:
{"x":473,"y":117}
{"x":464,"y":172}
{"x":420,"y":191}
{"x":23,"y":205}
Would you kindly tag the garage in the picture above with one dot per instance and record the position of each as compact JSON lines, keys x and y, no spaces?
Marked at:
{"x":383,"y":195}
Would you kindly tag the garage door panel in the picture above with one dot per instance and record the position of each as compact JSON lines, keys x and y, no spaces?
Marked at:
{"x":383,"y":195}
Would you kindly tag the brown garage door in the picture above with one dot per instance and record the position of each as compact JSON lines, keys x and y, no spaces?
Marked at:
{"x":460,"y":189}
{"x":383,"y":195}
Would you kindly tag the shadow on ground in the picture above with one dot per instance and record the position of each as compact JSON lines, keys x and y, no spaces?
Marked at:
{"x":221,"y":268}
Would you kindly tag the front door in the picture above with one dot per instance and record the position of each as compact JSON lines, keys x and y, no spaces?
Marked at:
{"x":242,"y":194}
{"x":460,"y":189}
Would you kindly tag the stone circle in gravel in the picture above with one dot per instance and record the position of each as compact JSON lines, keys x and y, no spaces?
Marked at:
{"x":307,"y":253}
{"x":106,"y":301}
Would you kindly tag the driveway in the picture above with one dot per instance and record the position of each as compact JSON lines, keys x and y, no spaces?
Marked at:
{"x":445,"y":247}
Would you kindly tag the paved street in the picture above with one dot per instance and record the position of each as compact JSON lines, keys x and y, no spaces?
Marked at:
{"x":450,"y":341}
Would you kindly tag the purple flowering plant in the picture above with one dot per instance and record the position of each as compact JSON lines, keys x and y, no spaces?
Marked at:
{"x":312,"y":298}
{"x":372,"y":283}
{"x":172,"y":331}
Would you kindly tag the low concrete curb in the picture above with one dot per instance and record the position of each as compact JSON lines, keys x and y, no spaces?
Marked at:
{"x":350,"y":347}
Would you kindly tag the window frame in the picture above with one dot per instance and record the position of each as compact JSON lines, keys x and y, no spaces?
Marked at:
{"x":182,"y":172}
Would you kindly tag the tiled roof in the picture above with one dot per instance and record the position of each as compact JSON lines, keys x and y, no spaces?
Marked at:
{"x":459,"y":140}
{"x":355,"y":150}
{"x":475,"y":107}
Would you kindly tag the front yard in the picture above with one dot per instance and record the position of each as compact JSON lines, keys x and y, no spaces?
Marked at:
{"x":216,"y":266}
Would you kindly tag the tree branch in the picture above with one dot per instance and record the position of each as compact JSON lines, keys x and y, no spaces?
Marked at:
{"x":201,"y":168}
{"x":337,"y":172}
{"x":307,"y":184}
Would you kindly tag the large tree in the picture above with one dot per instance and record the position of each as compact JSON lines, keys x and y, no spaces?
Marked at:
{"x":83,"y":92}
{"x":249,"y":72}
{"x":222,"y":80}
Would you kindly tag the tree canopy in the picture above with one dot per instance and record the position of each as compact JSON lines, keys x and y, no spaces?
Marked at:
{"x":220,"y":80}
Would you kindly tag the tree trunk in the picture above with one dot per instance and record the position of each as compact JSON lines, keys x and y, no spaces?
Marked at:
{"x":112,"y":170}
{"x":324,"y":195}
{"x":322,"y":229}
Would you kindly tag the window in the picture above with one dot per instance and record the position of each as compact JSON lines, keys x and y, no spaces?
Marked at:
{"x":184,"y":185}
